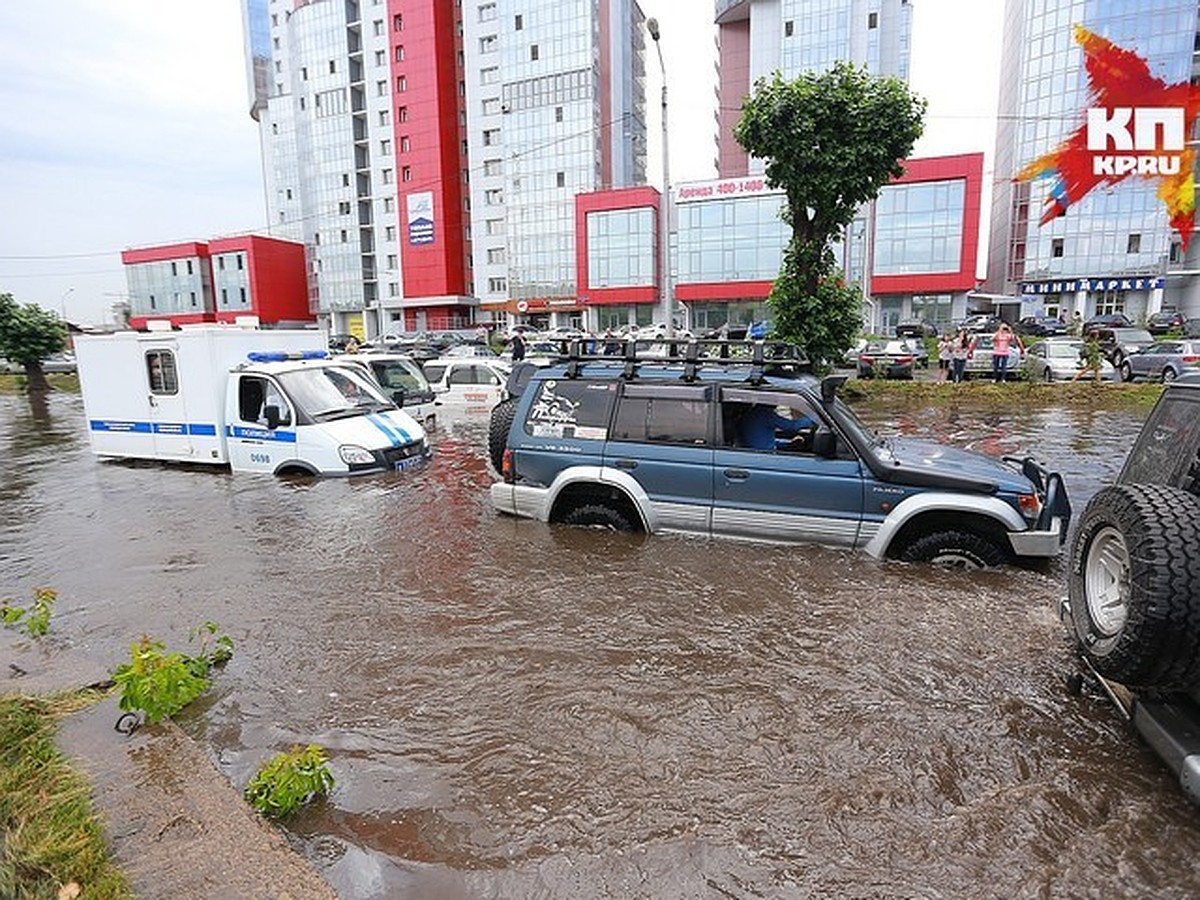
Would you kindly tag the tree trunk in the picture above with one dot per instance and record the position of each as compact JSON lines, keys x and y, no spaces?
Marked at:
{"x":35,"y":378}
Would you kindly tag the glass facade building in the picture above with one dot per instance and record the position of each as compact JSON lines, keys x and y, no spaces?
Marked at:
{"x":1113,"y":250}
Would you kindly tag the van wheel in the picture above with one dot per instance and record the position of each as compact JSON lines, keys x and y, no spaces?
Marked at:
{"x":1135,"y":588}
{"x":498,"y":427}
{"x":598,"y":515}
{"x":955,"y":550}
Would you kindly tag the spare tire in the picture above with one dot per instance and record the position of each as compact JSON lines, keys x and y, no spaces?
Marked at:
{"x":1134,"y":585}
{"x":498,"y":427}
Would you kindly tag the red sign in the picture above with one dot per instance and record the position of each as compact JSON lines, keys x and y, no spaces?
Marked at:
{"x":1136,"y":125}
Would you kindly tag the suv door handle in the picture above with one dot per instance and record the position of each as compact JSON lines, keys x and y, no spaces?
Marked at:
{"x":736,"y":474}
{"x":627,"y":464}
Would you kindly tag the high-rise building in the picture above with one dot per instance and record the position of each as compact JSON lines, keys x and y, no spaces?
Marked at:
{"x":428,"y":152}
{"x":760,"y":37}
{"x":1114,"y":249}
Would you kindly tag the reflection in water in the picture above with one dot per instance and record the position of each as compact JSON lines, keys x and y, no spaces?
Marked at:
{"x":514,"y":709}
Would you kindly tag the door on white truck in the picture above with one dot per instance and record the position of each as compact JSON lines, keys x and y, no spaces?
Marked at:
{"x":170,"y":429}
{"x":262,"y":436}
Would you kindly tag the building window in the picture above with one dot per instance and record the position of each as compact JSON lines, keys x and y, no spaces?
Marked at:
{"x":345,"y":236}
{"x":385,"y":117}
{"x":497,"y":285}
{"x":488,"y":43}
{"x":402,"y":114}
{"x":387,"y":175}
{"x":558,"y":114}
{"x":491,"y":137}
{"x":378,"y":24}
{"x":487,"y":12}
{"x":389,"y":204}
{"x":1056,"y":248}
{"x":389,"y":233}
{"x":381,"y":88}
{"x":1175,"y":254}
{"x":495,"y":256}
{"x":174,"y":269}
{"x":490,"y":75}
{"x":1135,"y":244}
{"x":345,"y":179}
{"x":494,"y":227}
{"x":385,"y":147}
{"x":404,"y":144}
{"x":493,"y":197}
{"x":399,"y":53}
{"x":533,"y":52}
{"x":288,"y":193}
{"x":380,"y":57}
{"x":560,"y":179}
{"x":406,"y":173}
{"x":873,"y":20}
{"x":491,"y":106}
{"x":398,"y":22}
{"x":391,"y":262}
{"x":788,"y":28}
{"x":333,"y":67}
{"x":189,"y":267}
{"x":304,"y":73}
{"x":401,"y":84}
{"x":518,"y":22}
{"x":493,"y":167}
{"x":344,"y":208}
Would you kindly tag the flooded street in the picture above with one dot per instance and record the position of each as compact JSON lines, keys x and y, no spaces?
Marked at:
{"x":518,"y":710}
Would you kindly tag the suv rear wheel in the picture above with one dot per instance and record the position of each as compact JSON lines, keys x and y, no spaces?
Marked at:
{"x":955,"y":549}
{"x":1134,"y":587}
{"x":600,"y":515}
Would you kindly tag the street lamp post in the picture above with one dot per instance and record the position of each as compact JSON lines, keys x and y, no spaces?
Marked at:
{"x":668,"y":294}
{"x":62,"y":303}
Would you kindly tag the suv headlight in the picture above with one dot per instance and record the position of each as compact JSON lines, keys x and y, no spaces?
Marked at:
{"x":353,"y":455}
{"x":1030,"y":505}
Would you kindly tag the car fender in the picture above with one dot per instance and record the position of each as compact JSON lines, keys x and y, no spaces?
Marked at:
{"x":606,"y":475}
{"x":933,"y":501}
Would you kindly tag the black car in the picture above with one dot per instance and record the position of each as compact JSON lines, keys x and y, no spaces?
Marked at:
{"x":1040,"y":326}
{"x":1164,"y":321}
{"x":921,"y":328}
{"x":1134,"y":583}
{"x":1107,"y":320}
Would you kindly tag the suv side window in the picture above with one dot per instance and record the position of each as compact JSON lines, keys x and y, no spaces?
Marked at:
{"x":663,"y":414}
{"x":738,"y":405}
{"x":1168,"y":449}
{"x":571,"y":408}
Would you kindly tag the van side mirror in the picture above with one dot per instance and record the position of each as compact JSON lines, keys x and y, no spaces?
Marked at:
{"x":398,"y":397}
{"x":271,"y":414}
{"x":825,"y":444}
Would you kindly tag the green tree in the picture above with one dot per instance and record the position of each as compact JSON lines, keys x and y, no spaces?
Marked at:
{"x":830,"y":140}
{"x":28,"y":334}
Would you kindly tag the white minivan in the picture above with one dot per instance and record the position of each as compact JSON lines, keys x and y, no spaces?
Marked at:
{"x":465,"y":384}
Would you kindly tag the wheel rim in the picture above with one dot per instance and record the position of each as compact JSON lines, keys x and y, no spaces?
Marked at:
{"x":1106,"y":581}
{"x":957,"y":559}
{"x":1168,"y":374}
{"x":1126,"y":372}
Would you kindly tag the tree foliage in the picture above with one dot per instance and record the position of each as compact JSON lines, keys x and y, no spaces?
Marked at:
{"x":830,"y":140}
{"x":29,"y":334}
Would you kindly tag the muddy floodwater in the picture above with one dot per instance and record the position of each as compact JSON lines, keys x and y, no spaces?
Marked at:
{"x":517,"y":710}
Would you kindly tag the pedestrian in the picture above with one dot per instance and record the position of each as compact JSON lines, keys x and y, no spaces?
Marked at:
{"x":518,"y":347}
{"x":945,"y":355}
{"x":1002,"y":340}
{"x":1092,"y":358}
{"x":612,"y":346}
{"x":960,"y":349}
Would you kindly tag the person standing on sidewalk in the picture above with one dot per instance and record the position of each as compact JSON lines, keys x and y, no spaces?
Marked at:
{"x":1002,"y":340}
{"x":960,"y":349}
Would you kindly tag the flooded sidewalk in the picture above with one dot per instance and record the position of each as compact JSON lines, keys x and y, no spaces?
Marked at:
{"x":174,"y":823}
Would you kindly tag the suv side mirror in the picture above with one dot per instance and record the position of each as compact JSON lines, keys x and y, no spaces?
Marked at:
{"x":271,"y":414}
{"x":830,"y":385}
{"x":825,"y":444}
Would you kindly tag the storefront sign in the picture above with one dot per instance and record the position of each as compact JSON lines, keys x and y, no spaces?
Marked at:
{"x":420,"y":218}
{"x":1136,"y":126}
{"x":1091,"y":284}
{"x":727,"y":187}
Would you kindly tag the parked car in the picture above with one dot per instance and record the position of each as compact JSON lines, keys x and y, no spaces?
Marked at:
{"x":1107,"y":320}
{"x":850,"y":357}
{"x":919,"y":350}
{"x":1040,"y":326}
{"x":470,"y":349}
{"x":466,"y":385}
{"x":1165,"y":360}
{"x":979,"y":362}
{"x":919,"y":328}
{"x":1117,"y":343}
{"x":643,"y":445}
{"x":1164,"y":321}
{"x":887,"y":359}
{"x":1133,"y":603}
{"x":1061,"y":359}
{"x":980,"y":322}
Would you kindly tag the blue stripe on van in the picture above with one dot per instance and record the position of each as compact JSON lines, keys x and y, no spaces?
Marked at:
{"x":397,"y":435}
{"x":117,"y":426}
{"x":261,"y":434}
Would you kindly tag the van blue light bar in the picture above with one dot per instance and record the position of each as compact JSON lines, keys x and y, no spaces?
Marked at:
{"x":285,"y":355}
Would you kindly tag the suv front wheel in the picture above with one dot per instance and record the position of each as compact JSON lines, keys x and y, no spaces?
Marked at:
{"x":955,"y":549}
{"x":1134,"y":587}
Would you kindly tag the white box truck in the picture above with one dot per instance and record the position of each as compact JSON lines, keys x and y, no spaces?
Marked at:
{"x":266,"y":401}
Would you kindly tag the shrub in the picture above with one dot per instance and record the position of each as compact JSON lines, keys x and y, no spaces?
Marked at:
{"x":286,"y":782}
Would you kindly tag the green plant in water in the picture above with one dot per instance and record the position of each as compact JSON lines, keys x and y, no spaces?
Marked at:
{"x":159,"y":684}
{"x":286,"y":782}
{"x":34,"y":621}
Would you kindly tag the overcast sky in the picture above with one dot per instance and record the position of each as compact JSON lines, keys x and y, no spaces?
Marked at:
{"x":126,"y":125}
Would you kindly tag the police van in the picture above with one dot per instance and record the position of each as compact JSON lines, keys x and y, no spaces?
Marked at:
{"x":253,"y":400}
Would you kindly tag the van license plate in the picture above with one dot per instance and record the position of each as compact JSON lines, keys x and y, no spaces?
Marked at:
{"x":412,"y":462}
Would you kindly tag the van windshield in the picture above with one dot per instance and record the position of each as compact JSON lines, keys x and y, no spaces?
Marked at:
{"x":400,"y":374}
{"x":332,"y":392}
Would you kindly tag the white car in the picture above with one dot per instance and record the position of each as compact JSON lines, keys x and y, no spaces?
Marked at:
{"x":401,"y":379}
{"x":465,"y":384}
{"x":1060,"y":359}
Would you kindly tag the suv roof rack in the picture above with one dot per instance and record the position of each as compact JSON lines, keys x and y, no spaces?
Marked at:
{"x":763,"y":357}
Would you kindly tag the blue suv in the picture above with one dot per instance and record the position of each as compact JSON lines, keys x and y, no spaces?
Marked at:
{"x":642,"y":442}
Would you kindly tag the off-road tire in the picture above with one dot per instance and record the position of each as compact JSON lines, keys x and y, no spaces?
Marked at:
{"x":1134,"y":586}
{"x":498,"y":427}
{"x":956,"y":550}
{"x":599,"y":515}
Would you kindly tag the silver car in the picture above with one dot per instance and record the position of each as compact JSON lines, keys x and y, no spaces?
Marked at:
{"x":1166,"y":360}
{"x":1061,"y":359}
